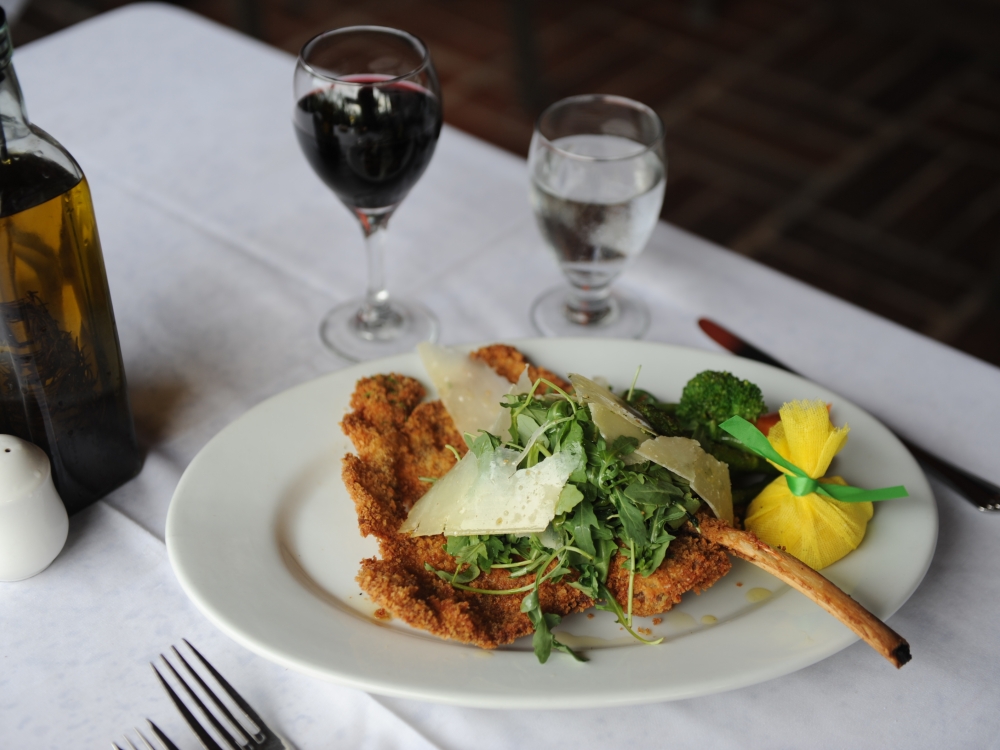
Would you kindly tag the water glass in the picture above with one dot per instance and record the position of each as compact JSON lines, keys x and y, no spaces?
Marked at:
{"x":598,"y":172}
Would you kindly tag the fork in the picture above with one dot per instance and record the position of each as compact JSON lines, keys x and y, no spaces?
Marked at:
{"x":164,"y":740}
{"x":238,"y":735}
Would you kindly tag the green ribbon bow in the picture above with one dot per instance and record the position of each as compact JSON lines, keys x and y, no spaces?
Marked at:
{"x":800,"y":483}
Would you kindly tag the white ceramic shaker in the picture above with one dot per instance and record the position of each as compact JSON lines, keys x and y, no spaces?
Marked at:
{"x":33,"y":520}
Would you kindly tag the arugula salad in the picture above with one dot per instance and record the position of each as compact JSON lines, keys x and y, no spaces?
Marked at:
{"x":611,"y":497}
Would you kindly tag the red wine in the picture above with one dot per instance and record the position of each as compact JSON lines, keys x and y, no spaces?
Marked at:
{"x":369,"y":144}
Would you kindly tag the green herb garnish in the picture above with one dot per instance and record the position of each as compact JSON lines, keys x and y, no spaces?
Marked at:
{"x":607,"y":507}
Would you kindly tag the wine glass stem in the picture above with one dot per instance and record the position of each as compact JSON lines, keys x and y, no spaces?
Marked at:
{"x":376,"y":314}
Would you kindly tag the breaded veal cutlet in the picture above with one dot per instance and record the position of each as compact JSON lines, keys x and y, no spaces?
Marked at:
{"x":399,"y":438}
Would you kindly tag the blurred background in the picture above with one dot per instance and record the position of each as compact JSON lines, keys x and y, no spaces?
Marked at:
{"x":854,"y":144}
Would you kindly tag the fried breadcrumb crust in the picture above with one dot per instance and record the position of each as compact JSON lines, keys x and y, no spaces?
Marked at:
{"x":692,"y":564}
{"x":509,"y":363}
{"x":399,"y":440}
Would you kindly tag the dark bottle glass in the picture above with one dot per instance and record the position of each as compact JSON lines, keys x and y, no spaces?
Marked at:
{"x":62,"y":383}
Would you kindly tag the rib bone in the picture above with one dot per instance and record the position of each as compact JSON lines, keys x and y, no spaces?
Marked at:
{"x":801,"y":577}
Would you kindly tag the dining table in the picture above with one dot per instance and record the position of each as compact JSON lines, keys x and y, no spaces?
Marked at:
{"x":223,"y":251}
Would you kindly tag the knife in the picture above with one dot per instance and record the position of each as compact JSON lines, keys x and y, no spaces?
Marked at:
{"x":981,"y":493}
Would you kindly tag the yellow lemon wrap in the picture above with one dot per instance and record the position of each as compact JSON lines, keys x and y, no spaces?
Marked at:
{"x":815,"y":529}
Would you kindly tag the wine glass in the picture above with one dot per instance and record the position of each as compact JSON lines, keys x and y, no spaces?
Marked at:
{"x":368,"y":116}
{"x":598,"y":173}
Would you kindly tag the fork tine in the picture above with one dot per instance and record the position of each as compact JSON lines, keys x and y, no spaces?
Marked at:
{"x":227,"y":734}
{"x":196,"y":727}
{"x":167,"y":744}
{"x":161,"y":736}
{"x":211,"y":693}
{"x":143,"y":738}
{"x":231,"y":691}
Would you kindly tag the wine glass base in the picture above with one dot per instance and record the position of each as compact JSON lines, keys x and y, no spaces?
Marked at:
{"x":342,"y":333}
{"x":628,"y":319}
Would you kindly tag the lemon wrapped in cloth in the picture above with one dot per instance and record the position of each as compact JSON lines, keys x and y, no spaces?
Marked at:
{"x":817,"y":519}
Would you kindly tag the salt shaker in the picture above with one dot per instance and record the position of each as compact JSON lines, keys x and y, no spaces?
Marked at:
{"x":33,"y":520}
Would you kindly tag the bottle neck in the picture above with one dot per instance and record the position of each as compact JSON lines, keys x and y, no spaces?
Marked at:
{"x":13,"y":116}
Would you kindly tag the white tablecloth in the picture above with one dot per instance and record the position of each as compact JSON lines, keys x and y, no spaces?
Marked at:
{"x":223,"y":251}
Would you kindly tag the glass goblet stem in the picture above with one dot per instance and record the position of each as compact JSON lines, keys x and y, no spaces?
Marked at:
{"x":588,"y":305}
{"x":376,"y":319}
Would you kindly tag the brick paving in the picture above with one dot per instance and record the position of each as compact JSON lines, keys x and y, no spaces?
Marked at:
{"x":854,"y":145}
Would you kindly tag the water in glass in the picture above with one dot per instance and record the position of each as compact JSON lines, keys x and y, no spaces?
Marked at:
{"x":597,"y":178}
{"x":595,"y":226}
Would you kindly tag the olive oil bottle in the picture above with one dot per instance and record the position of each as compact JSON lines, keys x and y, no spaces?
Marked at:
{"x":62,"y":383}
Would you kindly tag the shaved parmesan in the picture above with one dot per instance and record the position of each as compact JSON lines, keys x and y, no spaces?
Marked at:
{"x":470,"y":389}
{"x":594,"y":393}
{"x":489,"y":495}
{"x":708,"y":476}
{"x":612,"y":425}
{"x":502,"y":423}
{"x":429,"y":514}
{"x":612,"y":415}
{"x":473,"y":497}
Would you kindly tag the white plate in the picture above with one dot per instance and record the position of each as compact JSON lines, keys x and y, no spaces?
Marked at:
{"x":262,"y":536}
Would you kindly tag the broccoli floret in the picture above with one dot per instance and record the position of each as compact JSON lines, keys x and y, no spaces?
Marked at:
{"x":709,"y":399}
{"x":712,"y":397}
{"x":662,"y":418}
